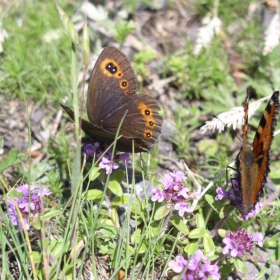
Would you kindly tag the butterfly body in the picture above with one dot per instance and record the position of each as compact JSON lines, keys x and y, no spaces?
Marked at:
{"x":252,"y":161}
{"x":111,"y":98}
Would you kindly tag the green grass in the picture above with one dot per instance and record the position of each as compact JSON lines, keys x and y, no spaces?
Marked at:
{"x":82,"y":218}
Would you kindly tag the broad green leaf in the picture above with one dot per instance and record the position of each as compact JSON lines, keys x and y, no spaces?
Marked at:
{"x":179,"y":224}
{"x":117,"y":176}
{"x":135,"y":237}
{"x":142,"y":249}
{"x":200,"y":221}
{"x":94,"y":173}
{"x":215,"y":204}
{"x":162,"y":212}
{"x":240,"y":265}
{"x":36,"y":223}
{"x":222,"y":232}
{"x":57,"y":246}
{"x":225,"y":211}
{"x":198,"y":233}
{"x":155,"y":229}
{"x":191,"y":248}
{"x":208,"y":243}
{"x":50,"y":214}
{"x":95,"y":195}
{"x":232,"y":224}
{"x":226,"y":269}
{"x":37,"y":257}
{"x":115,"y":187}
{"x":274,"y":241}
{"x":120,"y":200}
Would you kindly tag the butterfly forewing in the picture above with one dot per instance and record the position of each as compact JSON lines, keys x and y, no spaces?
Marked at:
{"x":263,"y":138}
{"x":112,"y":82}
{"x":253,"y":160}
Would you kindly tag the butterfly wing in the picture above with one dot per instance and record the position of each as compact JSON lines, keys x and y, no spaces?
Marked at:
{"x":263,"y":140}
{"x":112,"y":82}
{"x":244,"y":163}
{"x":94,"y":132}
{"x":142,"y":121}
{"x":112,"y":96}
{"x":253,"y":160}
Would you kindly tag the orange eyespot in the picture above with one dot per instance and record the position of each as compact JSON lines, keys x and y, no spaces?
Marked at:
{"x":111,"y":68}
{"x":147,"y":113}
{"x":123,"y":84}
{"x":145,"y":110}
{"x":147,"y":134}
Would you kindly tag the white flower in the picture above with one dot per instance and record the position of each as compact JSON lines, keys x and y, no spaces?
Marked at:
{"x":206,"y":33}
{"x":234,"y":117}
{"x":272,"y":35}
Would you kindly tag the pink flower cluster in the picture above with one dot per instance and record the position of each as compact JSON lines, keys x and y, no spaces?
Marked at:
{"x":174,"y":192}
{"x":107,"y":162}
{"x":236,"y":244}
{"x":29,"y":204}
{"x":199,"y":267}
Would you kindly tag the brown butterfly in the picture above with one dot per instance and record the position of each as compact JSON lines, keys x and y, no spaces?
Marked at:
{"x":252,"y":161}
{"x":111,"y":96}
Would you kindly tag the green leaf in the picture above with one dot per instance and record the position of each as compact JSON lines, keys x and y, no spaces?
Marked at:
{"x":94,"y":173}
{"x":12,"y":159}
{"x":215,"y":204}
{"x":51,"y":214}
{"x":232,"y":224}
{"x":222,"y":232}
{"x":115,"y":187}
{"x":142,"y":249}
{"x":208,"y":243}
{"x":120,"y":200}
{"x":57,"y":246}
{"x":226,"y":269}
{"x":95,"y":195}
{"x":124,"y":28}
{"x":261,"y":274}
{"x":115,"y":217}
{"x":37,"y":257}
{"x":200,"y":221}
{"x":273,"y":242}
{"x":240,"y":265}
{"x":179,"y":224}
{"x":118,"y":176}
{"x":162,"y":212}
{"x":136,"y":236}
{"x":198,"y":233}
{"x":225,"y":211}
{"x":36,"y":223}
{"x":191,"y":248}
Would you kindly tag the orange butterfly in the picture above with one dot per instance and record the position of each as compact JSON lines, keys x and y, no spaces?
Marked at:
{"x":252,"y":161}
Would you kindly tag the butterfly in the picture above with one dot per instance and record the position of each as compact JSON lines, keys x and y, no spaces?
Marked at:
{"x":112,"y":96}
{"x":252,"y":162}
